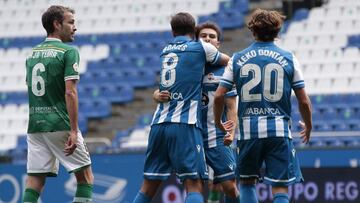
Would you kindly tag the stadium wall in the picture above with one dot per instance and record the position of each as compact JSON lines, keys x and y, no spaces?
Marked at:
{"x":331,"y":176}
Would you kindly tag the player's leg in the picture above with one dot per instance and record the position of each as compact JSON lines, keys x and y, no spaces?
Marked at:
{"x":34,"y":186}
{"x":84,"y":188}
{"x":78,"y":163}
{"x":281,"y":164}
{"x":222,"y":161}
{"x":157,"y":165}
{"x":147,"y":191}
{"x":187,"y":157}
{"x":40,"y":163}
{"x":215,"y":190}
{"x":249,"y":161}
{"x":280,"y":194}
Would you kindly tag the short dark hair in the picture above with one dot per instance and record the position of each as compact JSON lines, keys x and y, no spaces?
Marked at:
{"x":265,"y":25}
{"x":209,"y":25}
{"x":183,"y":24}
{"x":53,"y":13}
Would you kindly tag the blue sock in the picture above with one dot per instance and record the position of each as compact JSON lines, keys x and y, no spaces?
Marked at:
{"x":248,"y":193}
{"x":141,"y":198}
{"x":231,"y":200}
{"x":194,"y":197}
{"x":281,"y":198}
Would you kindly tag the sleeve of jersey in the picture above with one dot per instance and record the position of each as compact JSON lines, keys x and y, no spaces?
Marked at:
{"x":212,"y":54}
{"x":227,"y":79}
{"x":298,"y":79}
{"x":71,"y":59}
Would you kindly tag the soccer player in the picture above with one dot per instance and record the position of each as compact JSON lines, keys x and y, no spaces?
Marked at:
{"x":219,"y":156}
{"x":53,"y":132}
{"x":175,"y":140}
{"x":264,"y":75}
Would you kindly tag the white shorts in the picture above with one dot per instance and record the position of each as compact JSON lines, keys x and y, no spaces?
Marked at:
{"x":45,"y":151}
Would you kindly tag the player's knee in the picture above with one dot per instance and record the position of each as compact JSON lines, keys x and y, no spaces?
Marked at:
{"x":230,"y":189}
{"x":85,"y":176}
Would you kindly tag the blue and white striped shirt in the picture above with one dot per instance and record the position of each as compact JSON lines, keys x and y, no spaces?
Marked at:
{"x":212,"y":136}
{"x":183,"y":63}
{"x":264,"y":75}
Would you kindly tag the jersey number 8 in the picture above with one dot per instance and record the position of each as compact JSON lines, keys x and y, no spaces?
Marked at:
{"x":168,"y":72}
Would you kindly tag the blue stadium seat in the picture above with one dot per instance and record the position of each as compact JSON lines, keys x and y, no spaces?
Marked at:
{"x":117,"y":93}
{"x":96,"y":108}
{"x":301,"y":14}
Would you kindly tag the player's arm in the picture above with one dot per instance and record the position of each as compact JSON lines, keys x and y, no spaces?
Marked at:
{"x":305,"y":111}
{"x":163,"y":96}
{"x":71,"y":98}
{"x":226,"y":84}
{"x":71,"y":77}
{"x":231,"y":114}
{"x":304,"y":102}
{"x":213,"y":56}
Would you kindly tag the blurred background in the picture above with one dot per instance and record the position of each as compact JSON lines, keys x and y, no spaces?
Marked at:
{"x":120,"y":42}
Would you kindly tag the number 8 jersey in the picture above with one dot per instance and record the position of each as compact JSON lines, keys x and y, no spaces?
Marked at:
{"x":264,"y":75}
{"x":183,"y":63}
{"x":47,"y":68}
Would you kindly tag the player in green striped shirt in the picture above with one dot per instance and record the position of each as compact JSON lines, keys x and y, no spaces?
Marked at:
{"x":53,"y":132}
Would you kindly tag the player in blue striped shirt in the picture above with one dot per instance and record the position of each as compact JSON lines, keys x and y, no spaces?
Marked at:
{"x":175,"y":140}
{"x":264,"y":75}
{"x":219,"y":155}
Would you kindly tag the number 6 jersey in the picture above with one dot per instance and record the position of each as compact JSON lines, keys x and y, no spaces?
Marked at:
{"x":47,"y":68}
{"x":183,"y":63}
{"x":264,"y":75}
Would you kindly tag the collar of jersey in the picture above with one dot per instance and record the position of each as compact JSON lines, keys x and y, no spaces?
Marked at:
{"x":180,"y":39}
{"x":52,"y":39}
{"x":261,"y":44}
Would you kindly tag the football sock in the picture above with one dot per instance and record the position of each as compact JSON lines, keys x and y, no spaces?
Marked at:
{"x":248,"y":193}
{"x":214,"y":197}
{"x":281,"y":198}
{"x":141,"y":198}
{"x":194,"y":197}
{"x":30,"y":196}
{"x":83,"y":193}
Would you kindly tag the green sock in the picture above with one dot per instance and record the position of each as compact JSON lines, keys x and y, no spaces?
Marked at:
{"x":83,"y":193}
{"x":214,"y":196}
{"x":30,"y":195}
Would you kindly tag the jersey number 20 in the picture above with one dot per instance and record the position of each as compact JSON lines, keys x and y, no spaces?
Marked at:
{"x":38,"y":83}
{"x":278,"y":81}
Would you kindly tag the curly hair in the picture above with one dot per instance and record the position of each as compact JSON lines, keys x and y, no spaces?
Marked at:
{"x":265,"y":25}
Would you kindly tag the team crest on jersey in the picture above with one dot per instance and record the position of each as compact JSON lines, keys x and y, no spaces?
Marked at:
{"x":205,"y":100}
{"x":76,"y":67}
{"x":211,"y":76}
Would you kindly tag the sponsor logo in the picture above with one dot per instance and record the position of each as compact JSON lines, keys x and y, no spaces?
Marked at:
{"x":114,"y":188}
{"x":76,"y":67}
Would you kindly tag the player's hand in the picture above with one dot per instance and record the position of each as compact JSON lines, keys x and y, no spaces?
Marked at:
{"x":70,"y":145}
{"x":304,"y":133}
{"x":228,"y":138}
{"x":228,"y":125}
{"x":163,"y":96}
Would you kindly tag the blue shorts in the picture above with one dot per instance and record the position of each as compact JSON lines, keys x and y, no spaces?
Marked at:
{"x":221,"y":159}
{"x":281,"y":162}
{"x":175,"y":147}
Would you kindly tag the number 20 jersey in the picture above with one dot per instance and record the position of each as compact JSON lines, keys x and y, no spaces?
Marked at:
{"x":50,"y":64}
{"x":183,"y":63}
{"x":264,"y":75}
